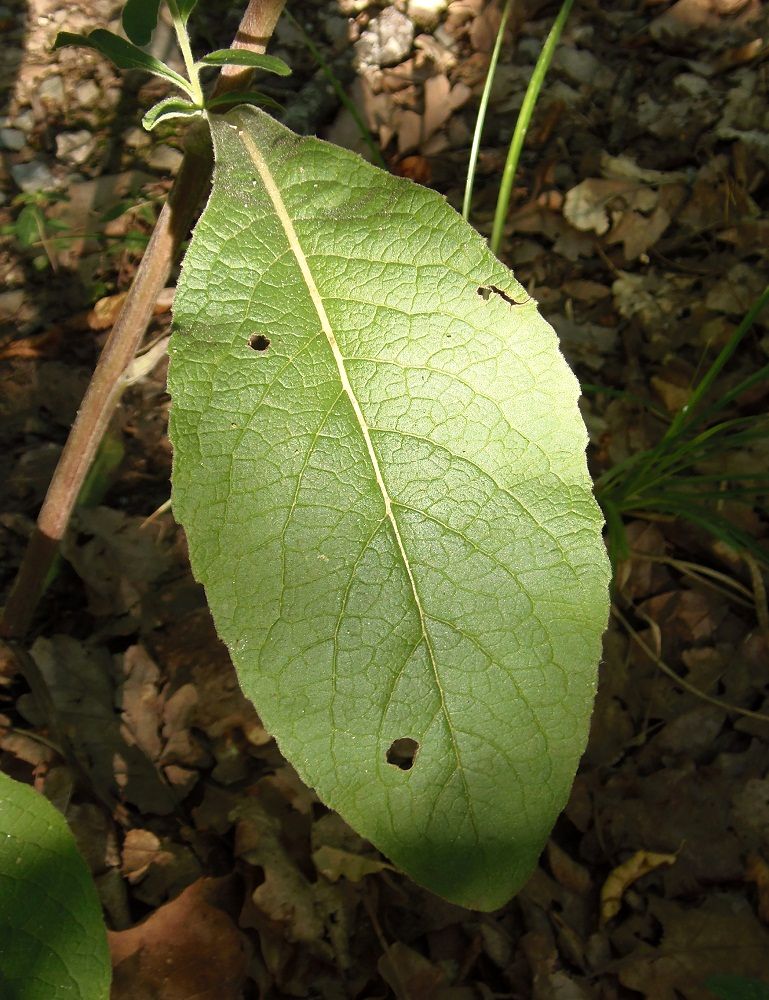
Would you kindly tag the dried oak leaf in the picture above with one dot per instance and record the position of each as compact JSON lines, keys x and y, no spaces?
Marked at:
{"x":189,"y":947}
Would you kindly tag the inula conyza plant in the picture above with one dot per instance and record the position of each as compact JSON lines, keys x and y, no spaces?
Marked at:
{"x":380,"y":465}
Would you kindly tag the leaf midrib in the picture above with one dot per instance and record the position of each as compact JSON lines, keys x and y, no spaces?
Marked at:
{"x":286,"y":222}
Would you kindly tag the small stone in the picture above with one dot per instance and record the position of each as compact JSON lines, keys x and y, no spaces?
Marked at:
{"x":579,"y":65}
{"x":32,"y":176}
{"x":87,"y":93}
{"x":25,"y":120}
{"x":426,"y":13}
{"x":12,"y":138}
{"x":136,"y":138}
{"x":691,"y":84}
{"x":352,"y":7}
{"x":165,"y":158}
{"x":386,"y":42}
{"x":74,"y":147}
{"x":10,"y":303}
{"x":52,"y":89}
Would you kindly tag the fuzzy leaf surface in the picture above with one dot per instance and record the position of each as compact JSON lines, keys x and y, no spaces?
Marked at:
{"x":379,"y":462}
{"x":53,"y":944}
{"x":242,"y":57}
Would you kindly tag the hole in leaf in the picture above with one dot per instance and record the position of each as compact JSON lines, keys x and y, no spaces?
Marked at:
{"x":258,"y":342}
{"x":402,"y":753}
{"x":486,"y":291}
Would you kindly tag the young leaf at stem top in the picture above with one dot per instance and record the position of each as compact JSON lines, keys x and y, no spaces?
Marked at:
{"x":185,"y":8}
{"x":169,"y":107}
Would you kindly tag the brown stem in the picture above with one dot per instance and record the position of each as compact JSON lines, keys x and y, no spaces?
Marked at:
{"x":103,"y":392}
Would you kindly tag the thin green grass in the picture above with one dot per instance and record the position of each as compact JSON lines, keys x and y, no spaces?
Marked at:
{"x":673,"y":479}
{"x":480,"y":120}
{"x":522,"y":125}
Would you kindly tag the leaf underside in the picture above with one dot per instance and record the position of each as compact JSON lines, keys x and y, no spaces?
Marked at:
{"x":379,"y":463}
{"x":53,"y":945}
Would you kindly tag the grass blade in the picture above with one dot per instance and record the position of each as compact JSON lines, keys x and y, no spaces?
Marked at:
{"x":523,"y":122}
{"x":481,"y":118}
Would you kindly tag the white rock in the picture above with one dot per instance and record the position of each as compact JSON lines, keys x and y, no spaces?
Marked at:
{"x":87,"y":93}
{"x":165,"y":158}
{"x":74,"y":147}
{"x":25,"y":120}
{"x":426,"y":13}
{"x":12,"y":138}
{"x":136,"y":138}
{"x":52,"y":89}
{"x":691,"y":84}
{"x":32,"y":176}
{"x":386,"y":42}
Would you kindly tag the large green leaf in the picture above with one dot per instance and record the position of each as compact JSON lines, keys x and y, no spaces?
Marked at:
{"x":53,"y":945}
{"x":379,"y":462}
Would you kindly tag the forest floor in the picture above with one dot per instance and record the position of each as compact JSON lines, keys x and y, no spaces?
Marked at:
{"x":641,"y":224}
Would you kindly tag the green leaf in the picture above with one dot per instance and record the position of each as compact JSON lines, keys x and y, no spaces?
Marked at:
{"x":139,"y":20}
{"x":242,"y":57}
{"x":379,"y":462}
{"x":727,"y":987}
{"x":123,"y":54}
{"x":27,"y":225}
{"x":53,"y":945}
{"x":169,"y":107}
{"x":243,"y":97}
{"x":185,"y":8}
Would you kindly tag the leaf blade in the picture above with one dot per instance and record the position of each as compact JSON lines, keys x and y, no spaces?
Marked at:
{"x":359,"y":525}
{"x":244,"y":57}
{"x":168,"y":108}
{"x":124,"y":54}
{"x":48,"y":906}
{"x":139,"y":20}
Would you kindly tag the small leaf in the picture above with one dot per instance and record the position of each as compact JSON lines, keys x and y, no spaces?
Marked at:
{"x":53,"y":944}
{"x":139,"y":20}
{"x":381,"y":474}
{"x":27,"y":225}
{"x":169,"y":107}
{"x":243,"y":97}
{"x":728,"y":987}
{"x":125,"y":55}
{"x":242,"y":57}
{"x":185,"y":8}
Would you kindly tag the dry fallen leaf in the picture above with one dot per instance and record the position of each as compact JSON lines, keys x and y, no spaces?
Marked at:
{"x":624,"y":875}
{"x":187,"y":948}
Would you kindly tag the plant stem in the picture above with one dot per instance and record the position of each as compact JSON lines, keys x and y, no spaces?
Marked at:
{"x":103,"y":392}
{"x":523,"y":122}
{"x":183,"y":39}
{"x":481,"y":119}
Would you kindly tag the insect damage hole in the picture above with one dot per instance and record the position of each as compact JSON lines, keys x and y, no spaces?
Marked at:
{"x":402,"y":753}
{"x":486,"y":291}
{"x":258,"y":342}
